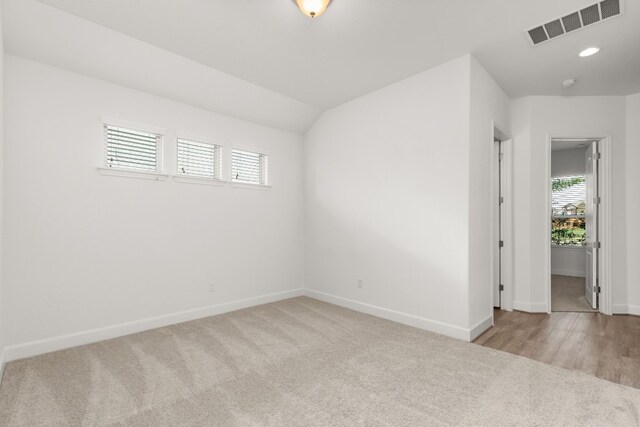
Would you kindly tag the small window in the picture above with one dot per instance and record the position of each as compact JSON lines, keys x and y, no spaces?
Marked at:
{"x":199,"y":159}
{"x":132,"y":149}
{"x":249,"y":167}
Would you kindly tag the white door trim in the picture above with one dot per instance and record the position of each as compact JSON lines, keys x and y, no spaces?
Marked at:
{"x":604,"y":220}
{"x":605,"y":226}
{"x":507,"y":219}
{"x":507,"y":225}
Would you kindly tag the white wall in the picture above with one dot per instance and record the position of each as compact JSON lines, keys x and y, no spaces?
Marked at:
{"x":568,"y":162}
{"x":489,"y":106}
{"x":632,"y":228}
{"x":66,"y":41}
{"x":387,"y":198}
{"x":568,"y":261}
{"x":84,"y":250}
{"x":533,"y":118}
{"x":521,"y":111}
{"x":1,"y":193}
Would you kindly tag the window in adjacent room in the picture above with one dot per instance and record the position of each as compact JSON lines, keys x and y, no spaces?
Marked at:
{"x":568,"y":203}
{"x":249,"y":167}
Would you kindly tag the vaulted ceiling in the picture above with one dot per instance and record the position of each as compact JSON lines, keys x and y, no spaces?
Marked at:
{"x":358,"y":46}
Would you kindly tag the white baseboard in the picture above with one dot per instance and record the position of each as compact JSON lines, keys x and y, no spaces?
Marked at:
{"x":480,"y":327}
{"x":572,"y":273}
{"x":625,"y":309}
{"x":397,"y":316}
{"x":619,"y":309}
{"x":2,"y":363}
{"x":34,"y":348}
{"x":536,"y":307}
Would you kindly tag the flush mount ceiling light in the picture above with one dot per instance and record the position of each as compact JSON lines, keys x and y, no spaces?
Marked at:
{"x":313,"y":8}
{"x":589,"y":51}
{"x":568,"y":83}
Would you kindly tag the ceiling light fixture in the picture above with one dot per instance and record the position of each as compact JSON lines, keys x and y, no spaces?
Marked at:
{"x":568,"y":83}
{"x":589,"y":51}
{"x":313,"y":8}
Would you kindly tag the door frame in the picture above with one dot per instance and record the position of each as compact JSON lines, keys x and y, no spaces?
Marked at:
{"x":604,"y":217}
{"x":507,"y":218}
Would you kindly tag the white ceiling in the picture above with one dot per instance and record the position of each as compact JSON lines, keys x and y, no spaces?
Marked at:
{"x":38,"y":32}
{"x":358,"y":46}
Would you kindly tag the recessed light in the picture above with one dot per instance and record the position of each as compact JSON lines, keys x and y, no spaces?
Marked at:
{"x":589,"y":51}
{"x":568,"y":83}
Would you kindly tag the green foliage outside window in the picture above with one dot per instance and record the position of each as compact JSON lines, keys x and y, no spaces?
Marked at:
{"x":558,"y":184}
{"x":568,"y":231}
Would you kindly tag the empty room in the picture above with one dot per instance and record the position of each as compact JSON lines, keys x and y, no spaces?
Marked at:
{"x":319,"y":213}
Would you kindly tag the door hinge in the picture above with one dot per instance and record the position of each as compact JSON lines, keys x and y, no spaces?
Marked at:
{"x":501,"y":156}
{"x":501,"y":288}
{"x":500,"y":200}
{"x":597,"y":156}
{"x":501,"y":243}
{"x":596,"y":245}
{"x":597,"y":200}
{"x":598,"y":289}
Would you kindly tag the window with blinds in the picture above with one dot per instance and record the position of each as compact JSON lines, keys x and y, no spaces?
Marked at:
{"x":248,"y":167}
{"x":132,"y":149}
{"x":199,"y":159}
{"x":568,"y":208}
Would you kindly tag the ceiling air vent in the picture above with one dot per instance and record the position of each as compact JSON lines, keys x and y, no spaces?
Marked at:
{"x":574,"y":21}
{"x":590,"y":14}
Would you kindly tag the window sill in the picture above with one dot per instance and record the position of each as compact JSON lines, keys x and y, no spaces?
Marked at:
{"x":569,"y":248}
{"x":126,"y":173}
{"x":249,"y":186}
{"x":200,"y":181}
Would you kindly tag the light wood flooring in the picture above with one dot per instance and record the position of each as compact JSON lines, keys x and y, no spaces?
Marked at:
{"x":607,"y":347}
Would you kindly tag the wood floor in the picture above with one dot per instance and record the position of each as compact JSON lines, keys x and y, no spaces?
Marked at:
{"x":567,"y":294}
{"x":607,"y":347}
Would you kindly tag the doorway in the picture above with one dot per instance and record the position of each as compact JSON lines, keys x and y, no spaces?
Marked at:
{"x":576,"y":220}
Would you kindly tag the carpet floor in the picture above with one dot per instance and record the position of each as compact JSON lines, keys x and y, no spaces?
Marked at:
{"x":302,"y":362}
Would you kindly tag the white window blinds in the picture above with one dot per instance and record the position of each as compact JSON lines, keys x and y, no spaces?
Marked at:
{"x":132,"y":149}
{"x":198,"y":159}
{"x":248,"y":167}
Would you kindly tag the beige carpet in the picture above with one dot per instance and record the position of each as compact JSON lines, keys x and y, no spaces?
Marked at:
{"x":567,"y":294}
{"x":302,"y":362}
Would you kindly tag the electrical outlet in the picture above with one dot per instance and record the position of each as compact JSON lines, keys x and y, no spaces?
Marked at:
{"x":359,"y":283}
{"x":212,"y":287}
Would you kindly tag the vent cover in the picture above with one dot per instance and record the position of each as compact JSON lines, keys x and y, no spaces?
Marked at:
{"x":574,"y":21}
{"x":590,"y":14}
{"x":610,"y":8}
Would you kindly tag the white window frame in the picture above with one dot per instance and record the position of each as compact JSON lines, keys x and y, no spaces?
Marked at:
{"x":189,"y":179}
{"x":250,"y":185}
{"x":104,"y":169}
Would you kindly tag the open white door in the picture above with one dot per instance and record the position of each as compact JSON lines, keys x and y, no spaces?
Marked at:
{"x":497,"y":257}
{"x":591,"y":214}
